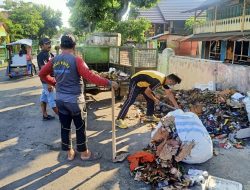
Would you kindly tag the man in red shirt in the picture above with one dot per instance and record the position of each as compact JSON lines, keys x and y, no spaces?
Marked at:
{"x":69,"y":71}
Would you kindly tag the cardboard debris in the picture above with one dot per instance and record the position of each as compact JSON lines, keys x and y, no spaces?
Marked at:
{"x":166,"y":153}
{"x":160,"y":135}
{"x":185,"y":150}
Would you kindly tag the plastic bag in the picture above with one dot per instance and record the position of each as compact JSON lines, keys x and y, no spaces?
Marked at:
{"x":190,"y":128}
{"x":246,"y":101}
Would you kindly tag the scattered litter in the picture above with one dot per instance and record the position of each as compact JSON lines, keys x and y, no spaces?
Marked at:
{"x":223,"y":113}
{"x":159,"y":165}
{"x":220,"y":116}
{"x":237,"y":96}
{"x":216,"y":183}
{"x":114,"y":75}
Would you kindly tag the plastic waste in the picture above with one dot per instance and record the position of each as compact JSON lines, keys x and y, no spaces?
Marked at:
{"x":237,"y":96}
{"x":246,"y":101}
{"x":197,"y":176}
{"x":190,"y":128}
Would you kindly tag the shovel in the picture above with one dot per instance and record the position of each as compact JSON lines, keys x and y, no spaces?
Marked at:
{"x":168,"y":106}
{"x":116,"y":156}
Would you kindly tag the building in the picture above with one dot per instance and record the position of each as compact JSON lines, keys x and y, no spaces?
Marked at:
{"x":225,"y":34}
{"x":176,"y":42}
{"x":4,"y":39}
{"x":168,"y":16}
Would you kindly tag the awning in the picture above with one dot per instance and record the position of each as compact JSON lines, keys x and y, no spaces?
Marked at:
{"x":233,"y":36}
{"x":27,"y":42}
{"x":157,"y":36}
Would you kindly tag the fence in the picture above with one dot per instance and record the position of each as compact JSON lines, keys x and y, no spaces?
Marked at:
{"x":132,"y":60}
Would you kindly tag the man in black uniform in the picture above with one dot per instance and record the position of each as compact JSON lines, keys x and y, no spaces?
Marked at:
{"x":145,"y":82}
{"x":48,"y":95}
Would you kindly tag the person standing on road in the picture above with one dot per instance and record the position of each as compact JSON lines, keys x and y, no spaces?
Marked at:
{"x":48,"y":95}
{"x":69,"y":71}
{"x":26,"y":50}
{"x":145,"y":82}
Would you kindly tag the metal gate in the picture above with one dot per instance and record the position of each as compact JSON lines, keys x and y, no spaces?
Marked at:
{"x":131,"y":60}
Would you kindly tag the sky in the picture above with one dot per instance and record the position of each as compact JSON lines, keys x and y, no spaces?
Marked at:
{"x":59,"y":5}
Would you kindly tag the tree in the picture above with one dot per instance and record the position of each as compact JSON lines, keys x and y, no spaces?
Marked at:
{"x":189,"y":24}
{"x":26,"y":20}
{"x":133,"y":29}
{"x":29,"y":20}
{"x":52,"y":21}
{"x":89,"y":13}
{"x":6,"y":22}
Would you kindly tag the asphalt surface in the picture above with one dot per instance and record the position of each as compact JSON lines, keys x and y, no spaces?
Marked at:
{"x":30,"y":156}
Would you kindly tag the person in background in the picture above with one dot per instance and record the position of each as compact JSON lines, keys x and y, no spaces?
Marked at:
{"x":27,"y":51}
{"x":48,"y":95}
{"x":69,"y":71}
{"x":145,"y":82}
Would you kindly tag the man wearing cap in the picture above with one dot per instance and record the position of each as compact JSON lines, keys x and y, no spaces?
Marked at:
{"x":145,"y":82}
{"x":48,"y":95}
{"x":69,"y":71}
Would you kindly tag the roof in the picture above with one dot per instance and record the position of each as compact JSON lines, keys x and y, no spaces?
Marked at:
{"x":27,"y":42}
{"x":170,"y":10}
{"x":234,"y":36}
{"x":153,"y":14}
{"x":156,"y":36}
{"x":205,"y":5}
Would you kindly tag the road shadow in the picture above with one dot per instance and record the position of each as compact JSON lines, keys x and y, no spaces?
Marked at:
{"x":39,"y":179}
{"x":23,"y":138}
{"x":23,"y":133}
{"x":132,"y":139}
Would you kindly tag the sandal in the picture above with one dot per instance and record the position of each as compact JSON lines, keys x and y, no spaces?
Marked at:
{"x":49,"y":117}
{"x":72,"y":157}
{"x":92,"y":157}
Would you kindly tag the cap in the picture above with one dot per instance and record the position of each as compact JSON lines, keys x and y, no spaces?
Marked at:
{"x":68,"y":41}
{"x":44,"y":41}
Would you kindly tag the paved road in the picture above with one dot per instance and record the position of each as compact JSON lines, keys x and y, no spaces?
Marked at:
{"x":30,"y":156}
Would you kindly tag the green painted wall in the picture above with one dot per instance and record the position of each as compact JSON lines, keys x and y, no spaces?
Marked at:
{"x":95,"y":54}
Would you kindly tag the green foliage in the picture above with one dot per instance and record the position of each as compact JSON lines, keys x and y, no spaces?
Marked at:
{"x":189,"y":24}
{"x":52,"y":21}
{"x":29,"y":20}
{"x":130,"y":29}
{"x":87,"y":13}
{"x":145,"y":3}
{"x":7,"y":22}
{"x":9,"y":5}
{"x":77,"y":20}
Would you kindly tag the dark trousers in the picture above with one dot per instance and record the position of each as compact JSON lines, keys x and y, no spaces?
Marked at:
{"x":134,"y":91}
{"x":34,"y":68}
{"x":77,"y":113}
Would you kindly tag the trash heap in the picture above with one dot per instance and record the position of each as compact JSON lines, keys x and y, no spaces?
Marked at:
{"x":223,"y":113}
{"x":158,"y":164}
{"x":114,"y":75}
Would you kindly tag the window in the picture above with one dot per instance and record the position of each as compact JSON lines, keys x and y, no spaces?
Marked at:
{"x":215,"y":47}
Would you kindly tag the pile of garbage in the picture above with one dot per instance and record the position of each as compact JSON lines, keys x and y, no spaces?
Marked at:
{"x":158,"y":164}
{"x":223,"y":113}
{"x":114,"y":75}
